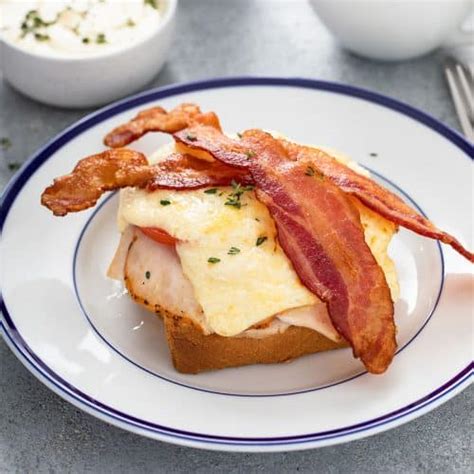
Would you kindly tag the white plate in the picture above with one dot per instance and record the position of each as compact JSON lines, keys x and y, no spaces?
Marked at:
{"x":74,"y":330}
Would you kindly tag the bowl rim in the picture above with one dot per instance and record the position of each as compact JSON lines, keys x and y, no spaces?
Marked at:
{"x":170,"y":13}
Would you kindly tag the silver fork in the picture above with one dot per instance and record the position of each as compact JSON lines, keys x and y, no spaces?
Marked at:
{"x":461,"y":84}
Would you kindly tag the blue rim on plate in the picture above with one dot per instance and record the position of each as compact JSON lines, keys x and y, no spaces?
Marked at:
{"x":85,"y":402}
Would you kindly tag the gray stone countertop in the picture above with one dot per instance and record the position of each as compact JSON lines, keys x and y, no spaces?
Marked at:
{"x":39,"y":432}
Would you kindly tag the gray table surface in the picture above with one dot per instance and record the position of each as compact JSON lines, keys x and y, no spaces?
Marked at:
{"x":39,"y":432}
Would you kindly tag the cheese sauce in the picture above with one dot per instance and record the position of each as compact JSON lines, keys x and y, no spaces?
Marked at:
{"x":78,"y":28}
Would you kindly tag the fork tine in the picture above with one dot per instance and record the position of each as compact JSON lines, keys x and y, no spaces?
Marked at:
{"x":459,"y":105}
{"x":470,"y":69}
{"x":466,"y":89}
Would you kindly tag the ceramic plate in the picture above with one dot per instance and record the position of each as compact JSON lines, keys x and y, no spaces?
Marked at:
{"x":78,"y":332}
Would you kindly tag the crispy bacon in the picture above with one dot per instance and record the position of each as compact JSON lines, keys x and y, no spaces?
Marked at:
{"x":186,"y":172}
{"x":320,"y":232}
{"x":94,"y":175}
{"x":119,"y":168}
{"x":157,"y":119}
{"x":213,"y":141}
{"x":373,"y":195}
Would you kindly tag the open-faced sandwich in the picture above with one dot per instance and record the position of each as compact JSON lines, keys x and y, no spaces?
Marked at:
{"x":252,"y":248}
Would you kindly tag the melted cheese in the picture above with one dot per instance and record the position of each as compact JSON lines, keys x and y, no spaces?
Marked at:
{"x":240,"y":290}
{"x":378,"y":233}
{"x":258,"y":282}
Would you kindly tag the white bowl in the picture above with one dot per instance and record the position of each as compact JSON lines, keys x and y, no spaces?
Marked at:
{"x":392,"y":30}
{"x":89,"y":81}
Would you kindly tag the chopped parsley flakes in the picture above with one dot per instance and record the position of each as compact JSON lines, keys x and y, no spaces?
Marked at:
{"x":152,"y":3}
{"x":165,"y":202}
{"x":234,"y":197}
{"x":101,"y":39}
{"x":32,"y":23}
{"x":213,"y":260}
{"x":260,"y":240}
{"x":233,"y":201}
{"x":147,"y":275}
{"x":310,"y":171}
{"x":5,"y":143}
{"x":41,"y":37}
{"x":14,"y":166}
{"x":233,"y":251}
{"x":211,"y":191}
{"x":191,"y":138}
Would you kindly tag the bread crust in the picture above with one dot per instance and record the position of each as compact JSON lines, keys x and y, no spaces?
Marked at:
{"x":193,"y":352}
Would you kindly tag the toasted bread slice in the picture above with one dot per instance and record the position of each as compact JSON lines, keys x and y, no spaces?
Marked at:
{"x":192,"y":351}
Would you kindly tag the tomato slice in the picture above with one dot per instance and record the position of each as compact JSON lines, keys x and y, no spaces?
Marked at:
{"x":159,"y":235}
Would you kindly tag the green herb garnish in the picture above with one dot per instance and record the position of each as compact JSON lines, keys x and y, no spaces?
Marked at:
{"x":86,"y":40}
{"x":147,"y":275}
{"x":213,"y":260}
{"x":260,"y":240}
{"x":101,"y":39}
{"x":233,"y":251}
{"x":5,"y":143}
{"x":41,"y":37}
{"x":32,"y":23}
{"x":234,"y":202}
{"x":249,"y":154}
{"x":14,"y":166}
{"x":191,"y":138}
{"x":152,"y":3}
{"x":211,"y":191}
{"x":309,"y":171}
{"x":239,"y":135}
{"x":165,"y":202}
{"x":234,"y":197}
{"x":130,"y":23}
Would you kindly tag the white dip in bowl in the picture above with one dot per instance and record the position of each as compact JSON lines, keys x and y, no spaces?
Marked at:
{"x":81,"y":53}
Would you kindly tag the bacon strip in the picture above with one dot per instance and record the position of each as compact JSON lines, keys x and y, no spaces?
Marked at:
{"x":119,"y":168}
{"x":157,"y":119}
{"x":186,"y":172}
{"x":213,"y":141}
{"x":373,"y":195}
{"x":320,"y":232}
{"x":92,"y":176}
